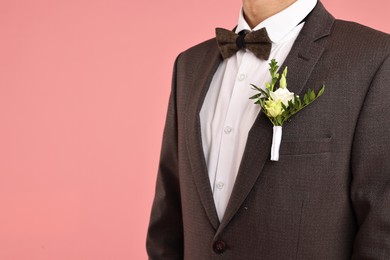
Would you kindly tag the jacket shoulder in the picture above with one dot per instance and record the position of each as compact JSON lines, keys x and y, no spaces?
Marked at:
{"x":198,"y":51}
{"x":358,"y":35}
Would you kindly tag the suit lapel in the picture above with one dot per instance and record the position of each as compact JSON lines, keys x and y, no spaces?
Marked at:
{"x":301,"y":61}
{"x":199,"y":87}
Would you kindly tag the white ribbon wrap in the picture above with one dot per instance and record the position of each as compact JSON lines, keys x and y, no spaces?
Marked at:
{"x":276,"y":140}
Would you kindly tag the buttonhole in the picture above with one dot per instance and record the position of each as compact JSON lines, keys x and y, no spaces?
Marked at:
{"x":303,"y":57}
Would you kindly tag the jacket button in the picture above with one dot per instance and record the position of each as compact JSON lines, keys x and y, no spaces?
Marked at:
{"x":219,"y":247}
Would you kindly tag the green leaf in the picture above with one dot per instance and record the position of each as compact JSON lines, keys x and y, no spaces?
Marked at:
{"x":273,"y":65}
{"x":264,"y":93}
{"x":279,"y":120}
{"x":321,"y":91}
{"x":312,"y":95}
{"x":261,"y":102}
{"x":255,"y":87}
{"x":298,"y":102}
{"x":306,"y":99}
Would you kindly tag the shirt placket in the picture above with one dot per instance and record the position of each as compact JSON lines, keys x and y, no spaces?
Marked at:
{"x":225,"y":176}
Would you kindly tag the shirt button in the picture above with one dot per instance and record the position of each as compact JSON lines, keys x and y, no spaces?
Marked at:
{"x":227,"y":129}
{"x":220,"y":185}
{"x":241,"y":77}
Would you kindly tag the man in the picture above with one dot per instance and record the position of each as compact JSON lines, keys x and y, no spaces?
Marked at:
{"x":218,"y":194}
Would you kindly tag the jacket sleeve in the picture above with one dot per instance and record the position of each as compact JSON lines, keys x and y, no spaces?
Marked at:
{"x":370,"y":165}
{"x":165,"y":232}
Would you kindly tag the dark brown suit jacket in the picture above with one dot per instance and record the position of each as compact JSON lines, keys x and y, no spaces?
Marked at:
{"x":329,"y":195}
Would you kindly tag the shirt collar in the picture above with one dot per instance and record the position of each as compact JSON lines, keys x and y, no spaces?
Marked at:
{"x":280,"y":24}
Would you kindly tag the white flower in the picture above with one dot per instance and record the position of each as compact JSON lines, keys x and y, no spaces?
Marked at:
{"x":283,"y":95}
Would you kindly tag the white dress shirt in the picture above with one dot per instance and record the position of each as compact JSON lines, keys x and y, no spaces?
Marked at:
{"x":227,"y":113}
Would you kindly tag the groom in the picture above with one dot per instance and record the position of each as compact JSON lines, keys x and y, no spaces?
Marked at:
{"x":218,"y":194}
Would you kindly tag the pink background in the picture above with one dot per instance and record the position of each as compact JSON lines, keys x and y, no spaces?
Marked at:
{"x":83,"y":96}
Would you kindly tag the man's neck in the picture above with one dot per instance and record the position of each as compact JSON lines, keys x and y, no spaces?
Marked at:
{"x":256,"y":11}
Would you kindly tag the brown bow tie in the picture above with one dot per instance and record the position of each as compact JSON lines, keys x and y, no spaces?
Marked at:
{"x":257,"y":42}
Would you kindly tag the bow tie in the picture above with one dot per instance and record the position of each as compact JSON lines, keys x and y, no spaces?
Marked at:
{"x":257,"y":42}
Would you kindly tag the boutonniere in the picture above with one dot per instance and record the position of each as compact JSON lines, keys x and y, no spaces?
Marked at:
{"x":281,"y":104}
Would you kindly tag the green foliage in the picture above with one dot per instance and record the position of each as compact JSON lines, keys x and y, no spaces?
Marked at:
{"x":293,"y":106}
{"x":274,"y":75}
